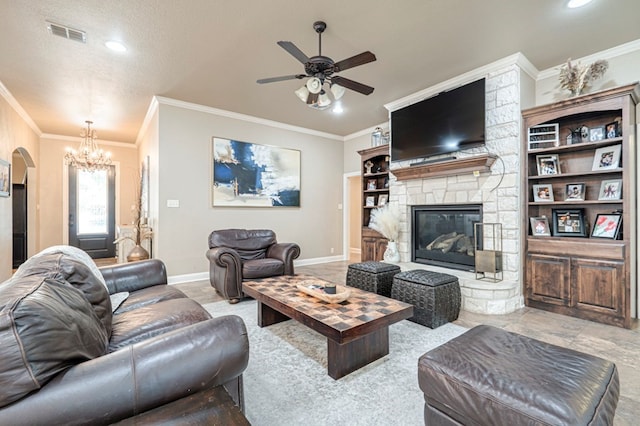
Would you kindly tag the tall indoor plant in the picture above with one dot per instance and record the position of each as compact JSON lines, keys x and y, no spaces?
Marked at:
{"x":141,"y":230}
{"x":386,"y":220}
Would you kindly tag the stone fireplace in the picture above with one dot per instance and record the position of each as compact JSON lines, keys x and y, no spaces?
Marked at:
{"x":443,"y":235}
{"x":494,"y":188}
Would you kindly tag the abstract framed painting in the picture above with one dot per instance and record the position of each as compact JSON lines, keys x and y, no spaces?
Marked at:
{"x":246,"y":174}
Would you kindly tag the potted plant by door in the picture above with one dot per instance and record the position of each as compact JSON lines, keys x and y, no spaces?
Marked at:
{"x":386,"y":220}
{"x":141,"y":230}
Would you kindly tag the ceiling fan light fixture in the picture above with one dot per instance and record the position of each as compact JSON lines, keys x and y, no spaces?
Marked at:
{"x":323,"y":99}
{"x":302,"y":93}
{"x":314,"y":85}
{"x":338,"y":91}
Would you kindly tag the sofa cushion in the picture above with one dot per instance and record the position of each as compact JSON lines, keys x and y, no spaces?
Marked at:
{"x":67,"y":266}
{"x":249,"y":243}
{"x":262,"y":268}
{"x":145,"y":322}
{"x":149,"y":296}
{"x":46,"y":326}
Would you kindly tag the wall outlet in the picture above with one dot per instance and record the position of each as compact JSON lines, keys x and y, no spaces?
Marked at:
{"x":331,"y":250}
{"x":173,"y":203}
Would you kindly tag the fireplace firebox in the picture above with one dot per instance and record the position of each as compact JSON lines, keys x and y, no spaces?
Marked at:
{"x":443,"y":235}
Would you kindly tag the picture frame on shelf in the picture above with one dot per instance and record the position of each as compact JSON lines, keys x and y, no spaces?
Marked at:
{"x":370,"y":201}
{"x":607,"y":225}
{"x":5,"y":178}
{"x":371,"y":184}
{"x":568,"y":223}
{"x":543,"y":193}
{"x":606,"y":158}
{"x":610,"y":189}
{"x":548,"y":164}
{"x":611,"y":130}
{"x":382,"y":200}
{"x":540,"y":226}
{"x":543,"y":136}
{"x":596,"y":133}
{"x":574,"y":192}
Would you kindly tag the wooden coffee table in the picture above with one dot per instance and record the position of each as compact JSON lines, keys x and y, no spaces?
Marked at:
{"x":357,"y":330}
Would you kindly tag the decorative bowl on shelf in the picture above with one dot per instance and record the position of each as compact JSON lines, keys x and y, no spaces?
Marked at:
{"x":315,"y":288}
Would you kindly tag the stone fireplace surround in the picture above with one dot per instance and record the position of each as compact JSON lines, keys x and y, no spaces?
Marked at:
{"x":497,"y":190}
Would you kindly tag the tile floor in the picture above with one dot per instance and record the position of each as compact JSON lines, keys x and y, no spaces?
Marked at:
{"x":616,"y":344}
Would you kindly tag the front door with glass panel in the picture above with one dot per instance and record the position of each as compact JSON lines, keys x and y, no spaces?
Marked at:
{"x":92,"y":211}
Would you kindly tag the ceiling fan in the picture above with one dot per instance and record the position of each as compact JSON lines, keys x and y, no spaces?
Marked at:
{"x":320,"y":70}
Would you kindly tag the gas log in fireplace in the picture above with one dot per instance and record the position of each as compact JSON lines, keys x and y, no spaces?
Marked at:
{"x":443,"y":235}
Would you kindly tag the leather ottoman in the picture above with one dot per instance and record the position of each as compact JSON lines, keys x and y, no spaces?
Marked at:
{"x":376,"y":277}
{"x":489,"y":376}
{"x":435,"y":296}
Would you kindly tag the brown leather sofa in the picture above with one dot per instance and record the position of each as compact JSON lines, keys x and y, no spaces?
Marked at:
{"x":243,"y":254}
{"x":66,"y":358}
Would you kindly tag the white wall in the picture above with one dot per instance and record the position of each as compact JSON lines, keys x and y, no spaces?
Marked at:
{"x":185,"y":133}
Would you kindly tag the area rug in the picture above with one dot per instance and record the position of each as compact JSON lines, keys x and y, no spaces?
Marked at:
{"x":286,"y":382}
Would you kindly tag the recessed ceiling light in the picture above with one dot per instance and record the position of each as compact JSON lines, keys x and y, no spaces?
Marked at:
{"x":577,"y":3}
{"x":116,"y":46}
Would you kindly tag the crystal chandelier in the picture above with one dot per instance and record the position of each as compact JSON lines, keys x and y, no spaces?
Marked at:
{"x":88,"y":157}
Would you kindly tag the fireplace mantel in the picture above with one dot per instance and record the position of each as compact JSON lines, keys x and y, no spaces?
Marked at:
{"x":458,"y":166}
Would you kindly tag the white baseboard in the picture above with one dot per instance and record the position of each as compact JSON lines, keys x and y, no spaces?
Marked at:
{"x":199,"y":276}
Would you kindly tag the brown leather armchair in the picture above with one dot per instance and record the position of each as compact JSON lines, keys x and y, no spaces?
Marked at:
{"x":244,"y":254}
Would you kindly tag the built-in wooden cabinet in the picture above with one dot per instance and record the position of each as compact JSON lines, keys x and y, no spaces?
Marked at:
{"x":375,"y":193}
{"x":580,"y":169}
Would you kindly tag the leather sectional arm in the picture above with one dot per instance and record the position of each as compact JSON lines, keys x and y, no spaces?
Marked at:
{"x":286,"y":252}
{"x":134,"y":276}
{"x":139,"y":377}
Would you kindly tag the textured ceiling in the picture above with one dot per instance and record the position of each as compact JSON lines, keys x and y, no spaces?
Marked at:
{"x":212,"y":52}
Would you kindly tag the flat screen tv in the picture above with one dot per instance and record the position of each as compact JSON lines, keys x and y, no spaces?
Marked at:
{"x":448,"y":122}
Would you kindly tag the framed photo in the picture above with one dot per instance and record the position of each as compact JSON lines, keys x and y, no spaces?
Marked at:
{"x":542,"y":193}
{"x":540,"y":227}
{"x":610,"y":189}
{"x":607,"y":157}
{"x":251,"y":175}
{"x":370,"y":201}
{"x":569,"y":223}
{"x":611,"y":130}
{"x":5,"y":178}
{"x":607,"y":226}
{"x":382,"y":199}
{"x":574,"y":192}
{"x":371,"y":184}
{"x":596,"y":134}
{"x":548,"y":164}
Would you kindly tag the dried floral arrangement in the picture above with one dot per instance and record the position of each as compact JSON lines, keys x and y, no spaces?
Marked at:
{"x":576,"y":78}
{"x":386,"y":220}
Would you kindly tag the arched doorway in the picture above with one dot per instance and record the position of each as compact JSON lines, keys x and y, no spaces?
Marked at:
{"x":21,"y":162}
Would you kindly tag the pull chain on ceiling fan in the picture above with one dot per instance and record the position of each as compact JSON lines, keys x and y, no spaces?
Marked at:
{"x":320,"y":70}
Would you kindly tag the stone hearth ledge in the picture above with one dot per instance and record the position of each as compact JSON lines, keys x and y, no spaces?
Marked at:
{"x":479,"y":296}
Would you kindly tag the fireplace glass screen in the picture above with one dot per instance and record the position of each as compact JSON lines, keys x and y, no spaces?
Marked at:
{"x":443,"y":235}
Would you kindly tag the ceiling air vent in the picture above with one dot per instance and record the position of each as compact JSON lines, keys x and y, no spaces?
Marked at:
{"x":66,"y":32}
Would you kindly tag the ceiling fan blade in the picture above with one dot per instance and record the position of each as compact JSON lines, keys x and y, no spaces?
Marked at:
{"x":294,"y":51}
{"x":313,"y":98}
{"x":281,"y":78}
{"x":354,"y":61}
{"x":353,"y":85}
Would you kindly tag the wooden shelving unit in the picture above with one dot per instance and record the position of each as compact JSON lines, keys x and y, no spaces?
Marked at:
{"x":375,"y":185}
{"x":583,"y":276}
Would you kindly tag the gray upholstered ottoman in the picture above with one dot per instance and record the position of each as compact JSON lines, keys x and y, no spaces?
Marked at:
{"x":489,"y":376}
{"x":376,"y":277}
{"x":435,"y":296}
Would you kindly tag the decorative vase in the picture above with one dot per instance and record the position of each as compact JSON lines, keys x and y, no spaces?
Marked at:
{"x":391,"y":254}
{"x":137,"y":253}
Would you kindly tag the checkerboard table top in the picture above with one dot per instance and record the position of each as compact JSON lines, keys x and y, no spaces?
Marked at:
{"x":361,"y":308}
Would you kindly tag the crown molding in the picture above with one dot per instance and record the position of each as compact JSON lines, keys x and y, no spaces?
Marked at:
{"x":4,"y":92}
{"x":623,"y":49}
{"x":244,"y":117}
{"x":80,"y":139}
{"x":367,"y":131}
{"x":517,"y":59}
{"x":153,"y":108}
